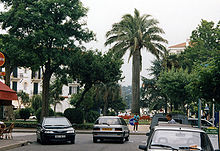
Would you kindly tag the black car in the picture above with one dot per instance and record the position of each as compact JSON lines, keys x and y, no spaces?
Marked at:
{"x":53,"y":129}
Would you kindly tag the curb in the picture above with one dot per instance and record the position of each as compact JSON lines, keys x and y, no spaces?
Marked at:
{"x":15,"y":145}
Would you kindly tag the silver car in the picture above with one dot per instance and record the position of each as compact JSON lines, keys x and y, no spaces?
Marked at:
{"x":110,"y":127}
{"x":177,"y":137}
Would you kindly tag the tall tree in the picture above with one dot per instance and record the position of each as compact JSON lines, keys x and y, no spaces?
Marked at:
{"x":48,"y":28}
{"x":134,"y":33}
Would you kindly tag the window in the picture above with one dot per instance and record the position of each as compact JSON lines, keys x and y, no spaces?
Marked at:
{"x":72,"y":90}
{"x":35,"y":88}
{"x":14,"y":86}
{"x":25,"y":86}
{"x":21,"y":75}
{"x":15,"y":73}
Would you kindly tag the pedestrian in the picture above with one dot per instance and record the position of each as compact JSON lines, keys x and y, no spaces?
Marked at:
{"x":170,"y":119}
{"x":136,"y":121}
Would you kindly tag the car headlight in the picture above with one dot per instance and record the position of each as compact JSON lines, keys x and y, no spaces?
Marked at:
{"x":72,"y":131}
{"x":48,"y":132}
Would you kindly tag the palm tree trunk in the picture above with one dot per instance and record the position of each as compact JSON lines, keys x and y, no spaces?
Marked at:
{"x":135,"y":108}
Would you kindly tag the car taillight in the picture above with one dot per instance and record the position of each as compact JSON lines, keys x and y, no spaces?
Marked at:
{"x":118,"y":129}
{"x":96,"y":129}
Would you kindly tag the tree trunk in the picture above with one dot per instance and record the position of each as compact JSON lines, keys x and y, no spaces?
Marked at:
{"x":105,"y":108}
{"x":9,"y":113}
{"x":45,"y":92}
{"x":135,"y":108}
{"x":82,"y":95}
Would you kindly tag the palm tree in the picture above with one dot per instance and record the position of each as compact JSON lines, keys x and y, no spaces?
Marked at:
{"x":135,"y":33}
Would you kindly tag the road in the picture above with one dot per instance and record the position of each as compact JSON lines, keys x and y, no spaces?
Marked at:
{"x":84,"y":143}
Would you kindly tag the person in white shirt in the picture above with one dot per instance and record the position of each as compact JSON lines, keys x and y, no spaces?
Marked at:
{"x":170,"y":120}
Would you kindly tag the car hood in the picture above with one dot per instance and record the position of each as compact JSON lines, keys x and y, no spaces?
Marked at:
{"x":55,"y":128}
{"x":107,"y":126}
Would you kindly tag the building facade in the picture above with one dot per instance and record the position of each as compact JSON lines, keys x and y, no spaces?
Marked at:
{"x":24,"y":79}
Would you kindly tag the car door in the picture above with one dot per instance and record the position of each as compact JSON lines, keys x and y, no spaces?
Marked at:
{"x":125,"y":127}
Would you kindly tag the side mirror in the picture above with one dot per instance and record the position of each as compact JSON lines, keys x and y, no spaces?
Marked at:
{"x":142,"y":147}
{"x":148,"y":134}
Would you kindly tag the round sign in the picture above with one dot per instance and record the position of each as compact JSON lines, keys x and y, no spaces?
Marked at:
{"x":131,"y":121}
{"x":2,"y":59}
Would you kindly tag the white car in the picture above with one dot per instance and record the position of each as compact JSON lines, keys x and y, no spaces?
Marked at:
{"x":110,"y":127}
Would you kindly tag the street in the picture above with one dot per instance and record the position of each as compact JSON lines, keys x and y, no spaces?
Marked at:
{"x":84,"y":143}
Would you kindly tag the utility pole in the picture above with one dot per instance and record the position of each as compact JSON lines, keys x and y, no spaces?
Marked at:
{"x":199,"y":113}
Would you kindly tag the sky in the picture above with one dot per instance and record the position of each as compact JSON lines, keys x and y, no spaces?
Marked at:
{"x":178,"y":18}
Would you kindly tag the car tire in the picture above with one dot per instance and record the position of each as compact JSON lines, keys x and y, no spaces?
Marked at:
{"x":122,"y":140}
{"x":43,"y":141}
{"x":95,"y":140}
{"x":72,"y":141}
{"x":38,"y":140}
{"x":127,"y":138}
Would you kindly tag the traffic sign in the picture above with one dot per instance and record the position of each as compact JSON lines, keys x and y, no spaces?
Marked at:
{"x":2,"y":59}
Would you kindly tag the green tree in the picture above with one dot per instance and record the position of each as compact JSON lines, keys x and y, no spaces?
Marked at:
{"x":36,"y":102}
{"x":25,"y":100}
{"x":135,"y":33}
{"x":48,"y":29}
{"x":56,"y":92}
{"x":92,"y":67}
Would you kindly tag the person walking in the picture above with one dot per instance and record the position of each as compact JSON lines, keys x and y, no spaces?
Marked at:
{"x":170,"y":119}
{"x":136,"y":122}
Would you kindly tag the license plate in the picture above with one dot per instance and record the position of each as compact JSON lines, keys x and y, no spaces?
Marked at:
{"x":106,"y":129}
{"x":60,"y":136}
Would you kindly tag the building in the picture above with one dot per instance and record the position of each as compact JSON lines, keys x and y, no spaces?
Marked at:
{"x":178,"y":48}
{"x":24,"y":79}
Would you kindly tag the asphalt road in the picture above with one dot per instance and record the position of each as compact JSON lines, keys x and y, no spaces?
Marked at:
{"x":84,"y":143}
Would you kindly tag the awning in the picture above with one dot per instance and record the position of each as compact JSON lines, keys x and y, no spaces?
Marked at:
{"x":6,"y":94}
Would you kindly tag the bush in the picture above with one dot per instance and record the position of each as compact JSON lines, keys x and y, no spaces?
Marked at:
{"x":112,"y":113}
{"x":91,"y":116}
{"x":25,"y":113}
{"x":38,"y":113}
{"x":59,"y":114}
{"x":17,"y":115}
{"x":177,"y":112}
{"x":74,"y":115}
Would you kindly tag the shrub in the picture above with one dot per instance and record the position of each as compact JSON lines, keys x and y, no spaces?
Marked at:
{"x":59,"y":114}
{"x":91,"y":116}
{"x":25,"y":113}
{"x":112,"y":113}
{"x":17,"y":115}
{"x":38,"y":113}
{"x":74,"y":115}
{"x":177,"y":112}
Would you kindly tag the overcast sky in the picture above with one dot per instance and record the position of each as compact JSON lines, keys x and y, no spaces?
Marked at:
{"x":177,"y":18}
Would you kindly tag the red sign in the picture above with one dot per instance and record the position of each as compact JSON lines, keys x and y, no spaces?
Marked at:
{"x":2,"y":59}
{"x":2,"y":73}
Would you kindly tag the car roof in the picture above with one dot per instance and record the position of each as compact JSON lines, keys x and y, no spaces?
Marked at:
{"x":177,"y":127}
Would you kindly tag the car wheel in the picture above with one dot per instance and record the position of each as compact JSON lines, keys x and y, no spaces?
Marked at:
{"x":72,"y":141}
{"x":127,"y":138}
{"x":43,"y":141}
{"x":122,"y":140}
{"x":38,"y":140}
{"x":94,"y":140}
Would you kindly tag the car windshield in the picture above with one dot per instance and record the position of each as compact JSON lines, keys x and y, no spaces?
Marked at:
{"x":56,"y":122}
{"x":108,"y":121}
{"x":177,"y":139}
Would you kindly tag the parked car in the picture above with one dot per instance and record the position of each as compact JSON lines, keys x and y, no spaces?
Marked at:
{"x":177,"y":137}
{"x":110,"y":127}
{"x":55,"y":129}
{"x":161,"y":118}
{"x":204,"y":123}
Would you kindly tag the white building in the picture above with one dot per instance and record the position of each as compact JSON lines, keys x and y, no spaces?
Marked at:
{"x":23,"y":79}
{"x":178,"y":48}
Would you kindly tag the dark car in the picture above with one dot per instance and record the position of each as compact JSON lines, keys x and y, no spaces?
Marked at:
{"x":54,"y":129}
{"x":180,"y":137}
{"x":161,"y":118}
{"x":110,"y":127}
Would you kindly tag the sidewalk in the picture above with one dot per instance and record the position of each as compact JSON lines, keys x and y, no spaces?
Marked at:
{"x":7,"y":144}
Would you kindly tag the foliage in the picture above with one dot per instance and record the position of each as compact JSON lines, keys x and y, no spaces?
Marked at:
{"x":17,"y":115}
{"x":50,"y":31}
{"x":55,"y":92}
{"x":24,"y":113}
{"x":23,"y":124}
{"x":111,"y":113}
{"x":74,"y":115}
{"x":92,"y":116}
{"x":24,"y":98}
{"x":177,"y":112}
{"x":91,"y":68}
{"x":174,"y":84}
{"x":36,"y":102}
{"x":134,"y":33}
{"x":38,"y":113}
